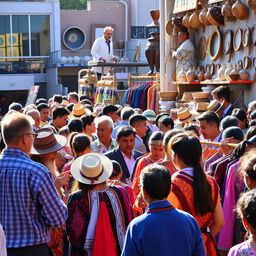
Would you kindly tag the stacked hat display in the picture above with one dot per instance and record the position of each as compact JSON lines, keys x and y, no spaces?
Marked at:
{"x":167,"y":100}
{"x":201,"y":100}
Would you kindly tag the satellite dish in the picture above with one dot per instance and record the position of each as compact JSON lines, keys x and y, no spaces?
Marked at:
{"x":74,"y":38}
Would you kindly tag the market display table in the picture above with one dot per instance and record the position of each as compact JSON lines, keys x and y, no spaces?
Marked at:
{"x":120,"y":64}
{"x":238,"y":86}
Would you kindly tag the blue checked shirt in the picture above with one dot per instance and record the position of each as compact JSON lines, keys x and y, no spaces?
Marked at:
{"x":29,"y":202}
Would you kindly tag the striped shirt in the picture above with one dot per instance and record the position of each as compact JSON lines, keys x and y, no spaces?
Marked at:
{"x":29,"y":202}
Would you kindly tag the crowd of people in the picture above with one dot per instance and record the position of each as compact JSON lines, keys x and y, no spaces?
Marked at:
{"x":79,"y":178}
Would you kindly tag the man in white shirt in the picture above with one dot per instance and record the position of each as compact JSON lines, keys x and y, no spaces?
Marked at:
{"x":102,"y":50}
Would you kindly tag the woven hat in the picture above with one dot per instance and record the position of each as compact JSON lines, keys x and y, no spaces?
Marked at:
{"x":64,"y":103}
{"x":79,"y":110}
{"x":200,"y":96}
{"x":149,"y":114}
{"x":92,"y":168}
{"x":201,"y":107}
{"x":47,"y":142}
{"x":184,"y":116}
{"x":187,"y":96}
{"x":214,"y":105}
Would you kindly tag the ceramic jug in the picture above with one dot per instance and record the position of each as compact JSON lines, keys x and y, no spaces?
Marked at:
{"x":221,"y":72}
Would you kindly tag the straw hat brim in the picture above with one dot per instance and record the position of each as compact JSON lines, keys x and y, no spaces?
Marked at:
{"x":61,"y":142}
{"x":193,"y":116}
{"x":106,"y":163}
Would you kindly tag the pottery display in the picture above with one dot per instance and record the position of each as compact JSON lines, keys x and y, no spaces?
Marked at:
{"x":214,"y":45}
{"x":237,"y":39}
{"x":214,"y":16}
{"x":226,"y":11}
{"x":182,"y":76}
{"x":202,"y":17}
{"x":207,"y":75}
{"x":240,"y":10}
{"x":194,"y":21}
{"x":234,"y":74}
{"x":244,"y":74}
{"x":191,"y":75}
{"x":252,"y":4}
{"x":221,"y":72}
{"x":185,"y":20}
{"x":155,"y":15}
{"x":200,"y":76}
{"x":177,"y":23}
{"x":228,"y":70}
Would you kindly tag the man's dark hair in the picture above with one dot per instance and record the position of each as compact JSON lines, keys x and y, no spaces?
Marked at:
{"x":136,"y":119}
{"x":73,"y":95}
{"x":210,"y":117}
{"x":253,"y":115}
{"x":156,"y":181}
{"x":64,"y":98}
{"x":228,"y":121}
{"x":222,"y":92}
{"x":125,"y":131}
{"x":168,"y":135}
{"x":233,"y":132}
{"x":75,"y":125}
{"x":126,"y":113}
{"x":59,"y":112}
{"x":88,"y":106}
{"x":116,"y":169}
{"x":166,"y":121}
{"x":40,"y":100}
{"x":159,"y":117}
{"x":192,"y":128}
{"x":15,"y":106}
{"x":64,"y":131}
{"x":252,"y":123}
{"x":57,"y":98}
{"x":42,"y":106}
{"x":84,"y":97}
{"x":240,"y":114}
{"x":70,"y":107}
{"x":109,"y":109}
{"x":86,"y":102}
{"x":87,"y":120}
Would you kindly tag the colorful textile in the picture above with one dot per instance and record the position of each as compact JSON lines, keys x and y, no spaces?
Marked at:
{"x":33,"y":203}
{"x":98,"y":147}
{"x":243,"y":249}
{"x":163,"y":230}
{"x":168,"y":165}
{"x":182,"y":197}
{"x":83,"y":212}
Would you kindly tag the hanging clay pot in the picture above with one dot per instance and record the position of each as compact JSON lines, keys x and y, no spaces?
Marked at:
{"x":185,"y":20}
{"x":252,"y":4}
{"x":203,"y":18}
{"x":194,"y":21}
{"x":214,"y":16}
{"x":226,"y":11}
{"x":240,"y":10}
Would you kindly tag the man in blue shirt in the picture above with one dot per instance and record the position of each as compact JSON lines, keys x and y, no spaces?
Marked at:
{"x":162,"y":229}
{"x":29,"y":202}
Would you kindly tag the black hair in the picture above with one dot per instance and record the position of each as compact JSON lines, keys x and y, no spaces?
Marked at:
{"x":125,"y":131}
{"x":228,"y":121}
{"x":59,"y":112}
{"x":64,"y":131}
{"x":155,"y":136}
{"x":166,"y":121}
{"x":78,"y":143}
{"x":134,"y":119}
{"x":253,"y":115}
{"x":86,"y":102}
{"x":210,"y":117}
{"x":42,"y":106}
{"x":116,"y":169}
{"x":87,"y":120}
{"x":64,"y":98}
{"x":15,"y":106}
{"x":156,"y":181}
{"x":240,"y":114}
{"x":251,"y":132}
{"x":246,"y":207}
{"x":188,"y":148}
{"x":57,"y":98}
{"x":192,"y":127}
{"x":222,"y":92}
{"x":126,"y":113}
{"x":88,"y":106}
{"x":70,"y":107}
{"x":40,"y":100}
{"x":73,"y":95}
{"x":160,"y":116}
{"x":252,"y":123}
{"x":233,"y":132}
{"x":169,"y":134}
{"x":84,"y":97}
{"x":75,"y":125}
{"x":109,"y":109}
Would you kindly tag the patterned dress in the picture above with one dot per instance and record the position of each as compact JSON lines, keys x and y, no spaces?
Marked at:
{"x":243,"y":249}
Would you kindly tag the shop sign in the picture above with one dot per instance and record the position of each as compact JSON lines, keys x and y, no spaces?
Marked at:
{"x":184,"y":5}
{"x":16,"y":82}
{"x":141,"y":32}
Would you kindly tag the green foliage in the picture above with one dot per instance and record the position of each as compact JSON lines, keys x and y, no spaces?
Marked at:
{"x":73,"y":4}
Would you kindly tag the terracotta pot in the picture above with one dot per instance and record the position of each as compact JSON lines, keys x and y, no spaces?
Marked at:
{"x":185,"y":20}
{"x":200,"y":76}
{"x":194,"y":21}
{"x":207,"y":75}
{"x":240,"y":10}
{"x":228,"y":71}
{"x":226,"y":11}
{"x":203,"y":18}
{"x":214,"y":16}
{"x":252,"y":4}
{"x":244,"y":74}
{"x":182,"y":76}
{"x":155,"y":14}
{"x":191,"y":75}
{"x":234,"y":74}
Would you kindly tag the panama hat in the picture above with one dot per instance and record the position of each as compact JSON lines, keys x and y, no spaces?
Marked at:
{"x":47,"y":142}
{"x":149,"y":114}
{"x":214,"y":105}
{"x":79,"y":110}
{"x":200,"y":96}
{"x":187,"y":96}
{"x":92,"y":168}
{"x":184,"y":116}
{"x":64,"y":103}
{"x":201,"y":107}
